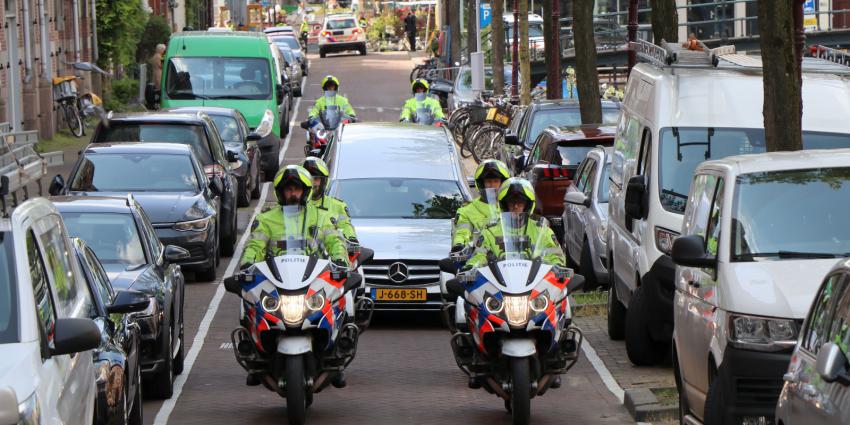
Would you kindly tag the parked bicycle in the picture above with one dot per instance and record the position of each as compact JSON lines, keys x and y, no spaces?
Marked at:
{"x":78,"y":111}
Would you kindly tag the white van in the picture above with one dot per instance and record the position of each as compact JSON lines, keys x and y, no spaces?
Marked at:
{"x":536,"y":39}
{"x":682,"y":108}
{"x":760,"y":233}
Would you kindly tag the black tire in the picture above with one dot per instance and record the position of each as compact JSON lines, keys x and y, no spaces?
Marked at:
{"x":322,"y":53}
{"x":362,"y":50}
{"x":296,"y":390}
{"x":227,"y":245}
{"x":414,"y":74}
{"x":521,"y":393}
{"x":180,"y":358}
{"x":641,"y":348}
{"x":72,"y":118}
{"x":714,"y":405}
{"x":136,"y":416}
{"x":616,"y":314}
{"x":243,"y":198}
{"x":162,"y":384}
{"x":298,"y":93}
{"x":255,"y":192}
{"x":208,"y":274}
{"x":586,"y":267}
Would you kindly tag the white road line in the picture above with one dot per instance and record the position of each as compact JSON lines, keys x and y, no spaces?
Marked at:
{"x":198,"y":343}
{"x":602,"y":371}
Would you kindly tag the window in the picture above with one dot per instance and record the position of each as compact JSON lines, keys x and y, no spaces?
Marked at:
{"x":840,"y":328}
{"x":585,"y":173}
{"x":714,"y":220}
{"x":8,"y":291}
{"x":149,"y":233}
{"x":537,"y":150}
{"x":113,"y":237}
{"x":41,"y":289}
{"x":582,"y":168}
{"x":400,"y":198}
{"x":814,"y":336}
{"x":696,"y":222}
{"x":70,"y":300}
{"x":102,"y":287}
{"x":564,"y":117}
{"x":341,"y":24}
{"x":228,"y":128}
{"x":191,"y":135}
{"x":135,"y":172}
{"x":292,"y":42}
{"x":218,"y":78}
{"x":590,"y":176}
{"x":604,"y":184}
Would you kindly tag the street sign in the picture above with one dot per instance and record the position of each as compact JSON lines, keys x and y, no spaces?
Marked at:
{"x":810,"y":20}
{"x":809,"y":7}
{"x":486,"y":14}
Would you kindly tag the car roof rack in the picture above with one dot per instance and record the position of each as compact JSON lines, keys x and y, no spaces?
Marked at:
{"x":20,"y":166}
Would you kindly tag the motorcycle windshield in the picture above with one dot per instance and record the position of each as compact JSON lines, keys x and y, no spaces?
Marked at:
{"x":514,"y":236}
{"x":424,"y":115}
{"x":490,"y":196}
{"x":294,"y":240}
{"x":331,"y":117}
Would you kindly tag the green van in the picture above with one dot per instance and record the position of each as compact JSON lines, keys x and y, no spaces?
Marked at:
{"x":233,"y":70}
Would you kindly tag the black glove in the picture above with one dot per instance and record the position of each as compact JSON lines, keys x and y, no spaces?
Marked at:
{"x":457,"y":249}
{"x":466,"y":268}
{"x":244,"y":266}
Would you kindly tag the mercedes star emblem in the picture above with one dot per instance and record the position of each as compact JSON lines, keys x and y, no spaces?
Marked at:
{"x":397,"y":272}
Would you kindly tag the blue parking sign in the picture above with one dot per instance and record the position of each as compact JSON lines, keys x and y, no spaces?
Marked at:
{"x":809,"y":7}
{"x":486,"y":14}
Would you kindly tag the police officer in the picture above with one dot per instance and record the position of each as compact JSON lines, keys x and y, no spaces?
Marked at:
{"x":330,"y":85}
{"x":478,"y":214}
{"x":337,"y":209}
{"x":420,"y":100}
{"x":293,"y":186}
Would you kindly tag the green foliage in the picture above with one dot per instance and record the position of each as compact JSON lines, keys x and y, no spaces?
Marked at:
{"x":120,"y":24}
{"x":377,"y":26}
{"x":156,"y":32}
{"x":192,"y":13}
{"x":123,"y":93}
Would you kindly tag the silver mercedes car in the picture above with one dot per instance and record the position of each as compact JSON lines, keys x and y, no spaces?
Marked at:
{"x":403,"y":184}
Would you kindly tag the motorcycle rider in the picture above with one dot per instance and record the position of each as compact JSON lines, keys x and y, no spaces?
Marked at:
{"x":420,"y":100}
{"x":330,"y":85}
{"x":305,"y":29}
{"x":337,"y":209}
{"x":473,"y":217}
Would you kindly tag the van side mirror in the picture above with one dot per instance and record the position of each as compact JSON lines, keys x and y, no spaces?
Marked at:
{"x":281,"y":92}
{"x":9,"y":406}
{"x":689,"y":251}
{"x":832,"y":364}
{"x":57,"y":185}
{"x":73,"y":335}
{"x":511,"y":139}
{"x":635,"y":198}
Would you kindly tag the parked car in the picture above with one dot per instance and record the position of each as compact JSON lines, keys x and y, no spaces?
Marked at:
{"x":47,"y":375}
{"x":118,"y":373}
{"x":672,"y":120}
{"x":341,"y":32}
{"x":237,"y":138}
{"x":526,"y":127}
{"x":293,"y":68}
{"x":246,"y":79}
{"x":278,"y":30}
{"x":585,"y":217}
{"x":196,"y":130}
{"x":401,"y":206}
{"x":759,"y":233}
{"x":816,"y":384}
{"x":125,"y":242}
{"x":294,"y":44}
{"x":552,"y":162}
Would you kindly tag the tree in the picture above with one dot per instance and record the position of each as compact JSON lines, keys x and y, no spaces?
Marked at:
{"x":497,"y":27}
{"x":783,"y":102}
{"x":121,"y":23}
{"x":665,"y":22}
{"x":454,"y":28}
{"x":587,"y":77}
{"x":156,"y":32}
{"x":552,"y":47}
{"x":524,"y":59}
{"x":471,"y":27}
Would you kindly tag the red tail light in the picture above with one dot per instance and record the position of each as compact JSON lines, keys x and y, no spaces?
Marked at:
{"x":325,"y":33}
{"x":214,"y":170}
{"x":357,"y":31}
{"x":555,"y":172}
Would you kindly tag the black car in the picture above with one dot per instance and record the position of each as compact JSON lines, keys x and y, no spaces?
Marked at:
{"x":528,"y":123}
{"x":197,"y":130}
{"x":122,"y":238}
{"x":168,"y":181}
{"x":117,"y":367}
{"x":237,"y":138}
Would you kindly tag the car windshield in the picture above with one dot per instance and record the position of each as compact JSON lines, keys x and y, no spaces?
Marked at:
{"x":682,"y":149}
{"x":135,"y":173}
{"x":192,"y":135}
{"x":218,"y":78}
{"x":400,"y":198}
{"x":604,"y":184}
{"x":228,"y":128}
{"x":791,"y":214}
{"x":8,"y":291}
{"x":113,"y":237}
{"x":534,"y":30}
{"x":292,"y":42}
{"x":564,"y":117}
{"x":341,"y":24}
{"x":464,"y":86}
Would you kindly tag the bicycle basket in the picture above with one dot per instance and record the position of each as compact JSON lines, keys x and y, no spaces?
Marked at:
{"x":64,"y":88}
{"x":497,"y":116}
{"x":478,"y":113}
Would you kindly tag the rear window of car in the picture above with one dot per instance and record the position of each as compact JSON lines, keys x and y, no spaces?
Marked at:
{"x":563,"y":118}
{"x":574,"y":154}
{"x":135,"y":173}
{"x":192,"y":135}
{"x":341,"y":24}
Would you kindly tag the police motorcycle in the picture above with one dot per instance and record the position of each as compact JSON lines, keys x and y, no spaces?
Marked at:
{"x":321,"y":131}
{"x":299,"y":326}
{"x":519,"y":335}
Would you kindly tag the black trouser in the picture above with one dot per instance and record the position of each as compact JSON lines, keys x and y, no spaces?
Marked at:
{"x":411,"y":38}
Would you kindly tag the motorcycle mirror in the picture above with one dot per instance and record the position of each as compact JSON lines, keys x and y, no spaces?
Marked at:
{"x":354,"y":280}
{"x":83,"y":66}
{"x":576,"y":282}
{"x":233,"y":284}
{"x":447,"y":265}
{"x":305,"y":124}
{"x":455,"y":288}
{"x":366,"y":255}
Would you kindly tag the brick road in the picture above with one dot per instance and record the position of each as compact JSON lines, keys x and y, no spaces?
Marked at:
{"x":404,"y":372}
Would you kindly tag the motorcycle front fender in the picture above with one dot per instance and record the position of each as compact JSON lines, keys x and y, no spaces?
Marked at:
{"x":518,"y":347}
{"x":294,"y":345}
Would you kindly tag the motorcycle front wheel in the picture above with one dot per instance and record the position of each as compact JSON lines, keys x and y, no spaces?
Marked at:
{"x":521,"y":391}
{"x":296,"y":390}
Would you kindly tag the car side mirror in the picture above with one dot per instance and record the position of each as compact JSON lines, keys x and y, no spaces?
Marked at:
{"x":9,"y":406}
{"x":232,"y":156}
{"x":57,"y":185}
{"x":832,"y":364}
{"x":689,"y":251}
{"x":448,"y":265}
{"x":73,"y":335}
{"x":576,"y":282}
{"x":470,"y":181}
{"x":511,"y":139}
{"x":217,"y":186}
{"x":577,"y":198}
{"x":353,"y":282}
{"x":151,"y":96}
{"x":175,"y":253}
{"x":253,"y":137}
{"x":128,"y":301}
{"x":454,"y":288}
{"x":280,"y":93}
{"x":635,"y":198}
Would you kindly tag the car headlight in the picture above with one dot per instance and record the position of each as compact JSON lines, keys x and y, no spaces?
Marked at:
{"x":292,"y":307}
{"x":539,"y":303}
{"x":193,"y":225}
{"x":664,"y":240}
{"x":516,"y":310}
{"x":494,"y":305}
{"x":762,"y":333}
{"x":29,"y":411}
{"x":266,"y":124}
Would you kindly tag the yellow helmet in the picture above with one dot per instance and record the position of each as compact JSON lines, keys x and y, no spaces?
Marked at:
{"x":330,"y":79}
{"x":419,"y":82}
{"x":293,"y":174}
{"x":517,"y":187}
{"x":491,"y":168}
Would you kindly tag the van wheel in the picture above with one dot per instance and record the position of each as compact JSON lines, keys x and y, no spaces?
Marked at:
{"x":641,"y":348}
{"x":586,"y":267}
{"x":616,"y":315}
{"x":714,"y":404}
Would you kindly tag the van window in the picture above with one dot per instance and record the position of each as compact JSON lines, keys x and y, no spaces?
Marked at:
{"x":71,"y":300}
{"x":604,"y":184}
{"x":218,"y":78}
{"x":682,"y":149}
{"x":8,"y":290}
{"x":696,"y":222}
{"x":713,"y":230}
{"x":41,"y":289}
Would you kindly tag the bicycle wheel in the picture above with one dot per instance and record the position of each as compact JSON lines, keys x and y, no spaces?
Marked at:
{"x":488,"y":143}
{"x":72,"y":118}
{"x":414,"y":74}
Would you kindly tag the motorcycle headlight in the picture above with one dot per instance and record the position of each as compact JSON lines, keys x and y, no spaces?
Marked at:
{"x":292,"y":307}
{"x":315,"y":302}
{"x":270,"y":304}
{"x":494,"y":305}
{"x":762,"y":333}
{"x":29,"y":411}
{"x":539,"y":303}
{"x":266,"y":124}
{"x":516,"y":310}
{"x":193,"y":225}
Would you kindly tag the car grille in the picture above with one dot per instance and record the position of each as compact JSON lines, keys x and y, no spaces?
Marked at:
{"x":757,"y":392}
{"x":391,"y":272}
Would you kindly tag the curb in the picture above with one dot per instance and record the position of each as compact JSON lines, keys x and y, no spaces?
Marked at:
{"x":644,"y":406}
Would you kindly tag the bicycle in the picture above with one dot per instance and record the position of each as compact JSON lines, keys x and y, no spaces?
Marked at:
{"x":78,"y":111}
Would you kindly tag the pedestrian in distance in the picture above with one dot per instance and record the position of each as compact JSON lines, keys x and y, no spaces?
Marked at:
{"x":156,"y":65}
{"x":410,"y":29}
